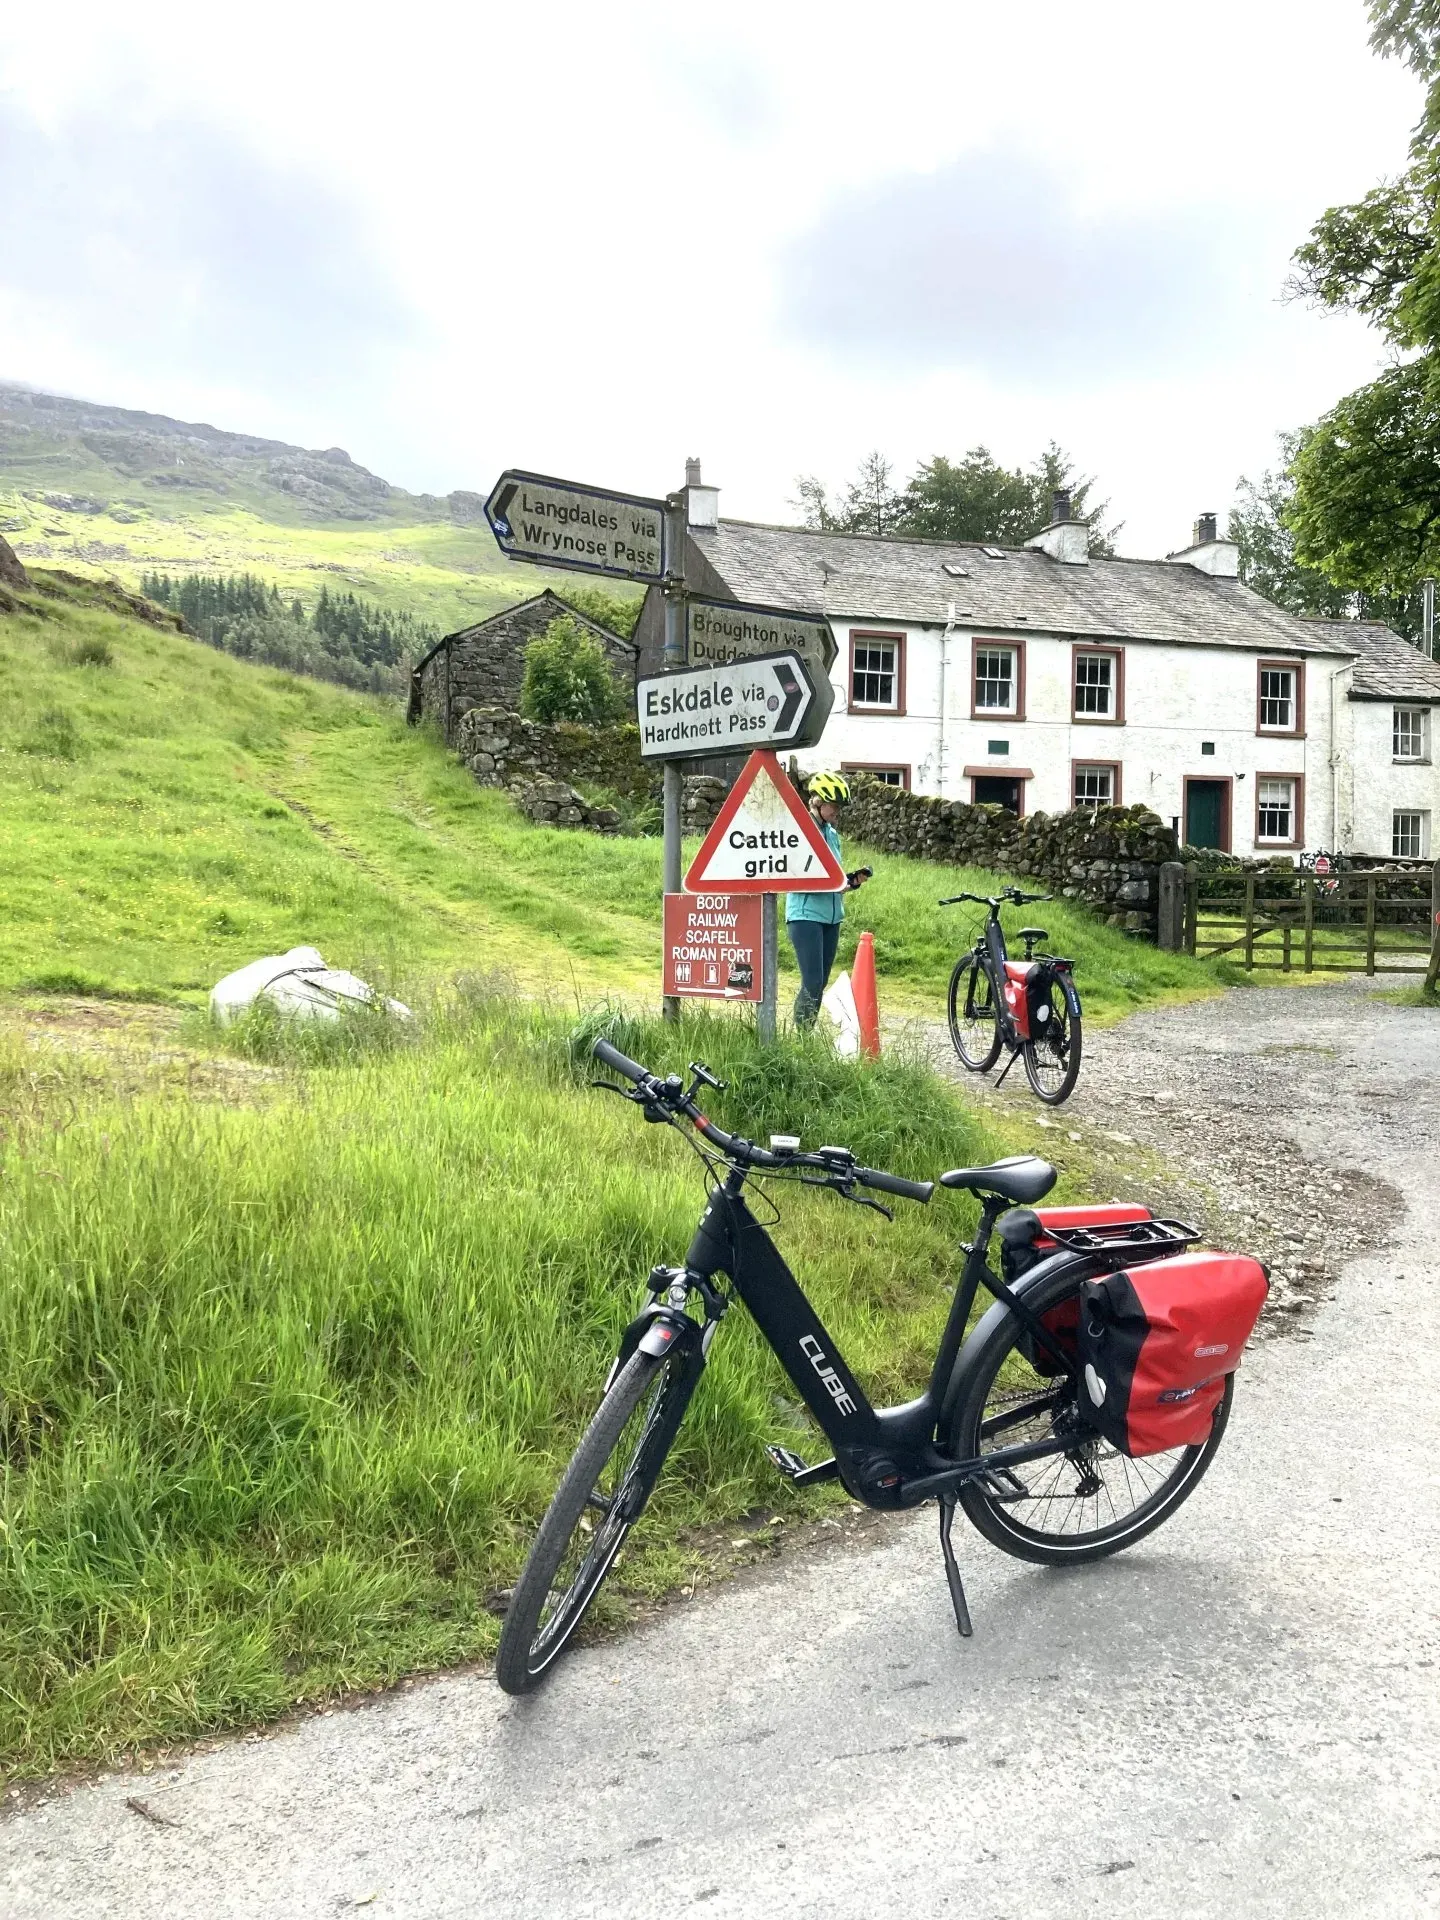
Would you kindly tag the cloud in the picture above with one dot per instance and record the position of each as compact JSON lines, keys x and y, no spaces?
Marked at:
{"x":987,"y":264}
{"x":184,"y":251}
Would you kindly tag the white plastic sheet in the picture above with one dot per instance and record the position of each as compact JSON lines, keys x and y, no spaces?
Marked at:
{"x":839,"y":1006}
{"x":300,"y":984}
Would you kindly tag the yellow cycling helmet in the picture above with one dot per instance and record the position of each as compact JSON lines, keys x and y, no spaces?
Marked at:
{"x":830,"y":786}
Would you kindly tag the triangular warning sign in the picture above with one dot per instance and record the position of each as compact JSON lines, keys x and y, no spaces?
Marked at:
{"x":763,"y":840}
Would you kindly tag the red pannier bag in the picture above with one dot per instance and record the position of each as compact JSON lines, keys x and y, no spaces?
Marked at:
{"x":1018,"y":1255}
{"x":1156,"y":1343}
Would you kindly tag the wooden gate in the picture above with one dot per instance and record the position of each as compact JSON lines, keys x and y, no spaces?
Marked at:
{"x":1386,"y":920}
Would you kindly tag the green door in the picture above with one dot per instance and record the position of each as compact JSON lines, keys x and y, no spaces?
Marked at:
{"x":1205,"y":813}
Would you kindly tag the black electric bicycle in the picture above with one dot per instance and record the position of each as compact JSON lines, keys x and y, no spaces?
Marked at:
{"x":1030,"y":1006}
{"x":998,"y":1429}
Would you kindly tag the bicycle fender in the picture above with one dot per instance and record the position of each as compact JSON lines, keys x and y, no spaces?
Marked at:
{"x":657,"y":1329}
{"x":1072,"y":995}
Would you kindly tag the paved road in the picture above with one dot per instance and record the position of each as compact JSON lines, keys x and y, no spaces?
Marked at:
{"x":1238,"y":1717}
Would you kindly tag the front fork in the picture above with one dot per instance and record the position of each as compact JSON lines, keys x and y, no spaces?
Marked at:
{"x":663,"y":1323}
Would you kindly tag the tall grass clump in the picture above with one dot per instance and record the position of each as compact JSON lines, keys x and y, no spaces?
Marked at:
{"x":285,"y":1386}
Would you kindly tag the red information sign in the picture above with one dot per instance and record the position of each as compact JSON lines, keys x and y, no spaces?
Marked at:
{"x":712,"y":945}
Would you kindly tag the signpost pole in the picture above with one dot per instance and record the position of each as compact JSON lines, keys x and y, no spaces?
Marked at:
{"x":676,"y":515}
{"x":770,"y":961}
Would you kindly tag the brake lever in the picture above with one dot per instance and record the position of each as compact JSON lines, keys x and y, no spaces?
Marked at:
{"x":863,"y":1200}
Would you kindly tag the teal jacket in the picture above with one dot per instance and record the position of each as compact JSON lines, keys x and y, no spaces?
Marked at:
{"x":826,"y":907}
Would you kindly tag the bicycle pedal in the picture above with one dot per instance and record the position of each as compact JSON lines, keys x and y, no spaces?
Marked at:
{"x":999,"y":1483}
{"x":786,"y":1462}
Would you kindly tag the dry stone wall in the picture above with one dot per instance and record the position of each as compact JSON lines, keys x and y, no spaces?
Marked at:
{"x":1109,"y":858}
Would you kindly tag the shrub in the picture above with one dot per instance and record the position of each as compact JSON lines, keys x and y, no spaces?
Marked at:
{"x":567,"y":677}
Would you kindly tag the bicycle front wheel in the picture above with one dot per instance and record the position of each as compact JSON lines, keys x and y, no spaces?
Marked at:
{"x":974,"y":1022}
{"x":603,"y":1493}
{"x":1052,"y":1057}
{"x":1087,"y":1500}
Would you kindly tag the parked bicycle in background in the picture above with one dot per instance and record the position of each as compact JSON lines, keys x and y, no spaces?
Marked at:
{"x":1030,"y":1005}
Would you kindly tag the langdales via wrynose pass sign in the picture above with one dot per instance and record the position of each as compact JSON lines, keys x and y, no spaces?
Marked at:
{"x":780,"y":700}
{"x":561,"y":523}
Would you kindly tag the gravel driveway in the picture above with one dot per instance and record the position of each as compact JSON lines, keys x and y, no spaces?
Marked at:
{"x":1237,"y":1717}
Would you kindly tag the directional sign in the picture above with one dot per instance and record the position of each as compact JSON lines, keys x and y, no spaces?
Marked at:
{"x":763,"y":840}
{"x":557,"y":523}
{"x":778,"y":701}
{"x":712,"y":945}
{"x":718,"y":631}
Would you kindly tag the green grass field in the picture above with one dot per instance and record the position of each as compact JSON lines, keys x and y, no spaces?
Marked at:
{"x":295,"y":1335}
{"x":174,"y":813}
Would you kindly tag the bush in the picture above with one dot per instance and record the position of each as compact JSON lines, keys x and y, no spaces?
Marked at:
{"x":567,"y":677}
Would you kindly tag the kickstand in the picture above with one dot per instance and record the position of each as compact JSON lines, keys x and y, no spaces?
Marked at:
{"x":1015,"y":1055}
{"x":952,"y":1572}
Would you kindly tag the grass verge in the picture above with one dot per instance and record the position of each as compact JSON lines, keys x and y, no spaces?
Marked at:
{"x":287,"y":1376}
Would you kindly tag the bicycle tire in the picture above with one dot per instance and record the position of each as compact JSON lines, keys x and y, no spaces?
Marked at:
{"x":1041,"y":1058}
{"x":961,"y":997}
{"x":1014,"y":1526}
{"x":529,"y":1643}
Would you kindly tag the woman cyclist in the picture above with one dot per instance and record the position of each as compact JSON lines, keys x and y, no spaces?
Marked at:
{"x":812,"y":920}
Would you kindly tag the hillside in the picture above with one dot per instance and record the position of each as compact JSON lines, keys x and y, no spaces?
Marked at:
{"x":171,"y":812}
{"x":107,"y":491}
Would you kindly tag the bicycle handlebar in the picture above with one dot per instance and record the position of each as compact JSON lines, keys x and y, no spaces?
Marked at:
{"x":837,"y":1162}
{"x":994,"y":901}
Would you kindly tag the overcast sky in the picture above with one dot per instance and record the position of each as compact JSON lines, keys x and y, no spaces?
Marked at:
{"x":593,"y":240}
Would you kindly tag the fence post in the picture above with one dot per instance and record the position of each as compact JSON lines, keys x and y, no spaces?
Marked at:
{"x":1371,"y":884}
{"x":1192,"y":906}
{"x":1285,"y":943}
{"x":1250,"y":922}
{"x":1433,"y":971}
{"x":1309,"y":886}
{"x":1170,"y":926}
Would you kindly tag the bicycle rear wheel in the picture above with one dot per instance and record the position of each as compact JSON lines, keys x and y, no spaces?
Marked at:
{"x":1080,"y":1504}
{"x":1052,"y":1058}
{"x":974,"y":1023}
{"x":601,"y":1496}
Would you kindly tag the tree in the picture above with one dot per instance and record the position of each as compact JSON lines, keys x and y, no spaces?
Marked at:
{"x":1260,"y":527}
{"x":979,"y":500}
{"x":567,"y":677}
{"x":974,"y":499}
{"x":869,"y":504}
{"x":1366,"y":505}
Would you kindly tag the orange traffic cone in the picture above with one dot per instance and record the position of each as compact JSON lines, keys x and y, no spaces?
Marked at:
{"x":862,"y":985}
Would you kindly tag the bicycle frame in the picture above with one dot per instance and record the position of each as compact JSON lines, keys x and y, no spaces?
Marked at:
{"x":887,"y":1457}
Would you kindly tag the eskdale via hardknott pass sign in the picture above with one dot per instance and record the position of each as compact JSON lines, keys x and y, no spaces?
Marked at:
{"x":778,"y":701}
{"x":560,"y":523}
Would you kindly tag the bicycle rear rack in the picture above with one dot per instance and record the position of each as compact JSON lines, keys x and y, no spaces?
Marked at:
{"x":1125,"y":1239}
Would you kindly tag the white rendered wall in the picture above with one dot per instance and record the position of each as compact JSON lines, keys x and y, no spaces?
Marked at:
{"x":1176,"y":697}
{"x":1406,"y":784}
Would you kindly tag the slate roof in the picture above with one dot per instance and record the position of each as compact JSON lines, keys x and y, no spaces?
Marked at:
{"x":856,"y":577}
{"x":546,"y":593}
{"x":1389,"y":668}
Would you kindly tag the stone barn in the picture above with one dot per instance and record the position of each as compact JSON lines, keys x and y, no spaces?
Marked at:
{"x":484,"y":665}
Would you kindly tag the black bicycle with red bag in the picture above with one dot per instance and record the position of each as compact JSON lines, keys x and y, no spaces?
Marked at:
{"x":1068,"y":1422}
{"x":1030,"y":1006}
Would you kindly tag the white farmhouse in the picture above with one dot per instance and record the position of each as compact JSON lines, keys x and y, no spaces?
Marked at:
{"x":1040,"y":678}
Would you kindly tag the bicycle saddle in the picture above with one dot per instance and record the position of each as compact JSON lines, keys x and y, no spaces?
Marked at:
{"x":1021,"y":1179}
{"x":1033,"y":933}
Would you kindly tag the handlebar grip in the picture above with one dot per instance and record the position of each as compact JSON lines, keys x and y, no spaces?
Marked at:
{"x":612,"y":1057}
{"x":920,"y":1190}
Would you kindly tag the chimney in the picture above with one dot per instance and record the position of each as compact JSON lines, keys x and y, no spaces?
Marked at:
{"x":1208,"y":552}
{"x":1065,"y":540}
{"x":702,"y":503}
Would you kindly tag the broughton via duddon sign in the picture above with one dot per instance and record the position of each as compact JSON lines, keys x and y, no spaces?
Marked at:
{"x":781,"y":700}
{"x":560,"y":523}
{"x":718,"y":631}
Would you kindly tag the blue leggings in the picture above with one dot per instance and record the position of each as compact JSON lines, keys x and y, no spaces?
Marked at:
{"x":814,"y":942}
